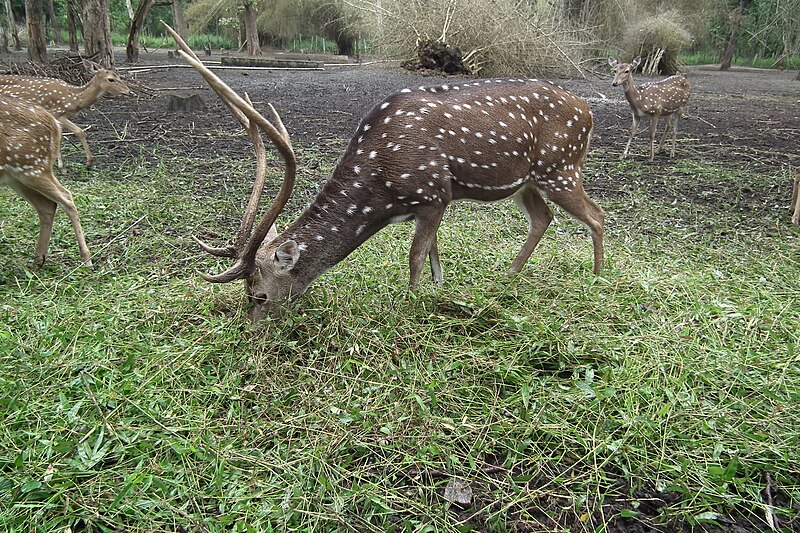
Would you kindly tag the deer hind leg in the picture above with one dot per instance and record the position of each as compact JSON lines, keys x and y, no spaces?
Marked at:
{"x":78,"y":132}
{"x":424,"y":244}
{"x":539,"y":217}
{"x":796,"y":199}
{"x":46,"y":209}
{"x":667,"y":130}
{"x":578,"y":204}
{"x":50,"y":187}
{"x":634,"y":127}
{"x":675,"y":133}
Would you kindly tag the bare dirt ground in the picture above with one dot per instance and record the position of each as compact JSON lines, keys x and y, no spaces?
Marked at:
{"x":744,"y":119}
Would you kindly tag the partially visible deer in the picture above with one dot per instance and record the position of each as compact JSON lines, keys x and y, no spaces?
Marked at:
{"x":412,"y":155}
{"x":795,"y":209}
{"x":30,"y":143}
{"x":653,"y":100}
{"x":64,"y":100}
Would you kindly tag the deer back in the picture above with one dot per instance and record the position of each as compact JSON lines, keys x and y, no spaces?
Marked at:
{"x":665,"y":96}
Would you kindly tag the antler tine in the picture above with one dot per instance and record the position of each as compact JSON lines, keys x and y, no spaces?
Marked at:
{"x":245,"y":262}
{"x":227,"y":251}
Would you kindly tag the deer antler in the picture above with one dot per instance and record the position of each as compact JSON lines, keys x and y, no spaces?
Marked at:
{"x":246,"y":245}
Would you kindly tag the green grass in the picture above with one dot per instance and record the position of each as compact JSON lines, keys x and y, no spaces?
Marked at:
{"x":136,"y":397}
{"x":706,"y":58}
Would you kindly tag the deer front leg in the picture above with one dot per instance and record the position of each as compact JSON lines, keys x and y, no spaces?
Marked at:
{"x":436,"y":266}
{"x":78,"y":132}
{"x":424,"y":243}
{"x":634,"y":127}
{"x":653,"y":126}
{"x":539,"y":217}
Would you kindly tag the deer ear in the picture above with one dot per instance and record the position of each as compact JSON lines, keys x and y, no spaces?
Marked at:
{"x":635,"y":62}
{"x":612,"y":62}
{"x":286,"y":255}
{"x":91,"y":67}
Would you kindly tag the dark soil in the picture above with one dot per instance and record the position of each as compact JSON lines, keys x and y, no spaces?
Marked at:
{"x":744,"y":119}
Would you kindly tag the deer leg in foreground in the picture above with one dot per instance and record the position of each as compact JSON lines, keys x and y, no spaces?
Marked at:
{"x":539,"y":217}
{"x":46,"y":209}
{"x":634,"y":127}
{"x":796,"y":199}
{"x":424,"y":243}
{"x":579,"y":205}
{"x":50,"y":188}
{"x":78,"y":132}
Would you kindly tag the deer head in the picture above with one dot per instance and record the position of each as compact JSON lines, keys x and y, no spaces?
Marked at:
{"x":623,"y":71}
{"x":412,"y":155}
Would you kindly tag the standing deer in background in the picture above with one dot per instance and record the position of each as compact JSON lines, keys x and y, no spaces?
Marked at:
{"x":654,"y":100}
{"x":795,"y":208}
{"x":413,"y":154}
{"x":30,"y":143}
{"x":64,"y":100}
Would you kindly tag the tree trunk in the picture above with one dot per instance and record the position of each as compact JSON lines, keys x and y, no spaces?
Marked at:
{"x":730,"y":44}
{"x":739,"y":10}
{"x":51,"y":14}
{"x":4,"y":42}
{"x":34,"y":13}
{"x":72,"y":25}
{"x":97,"y":32}
{"x":251,"y":30}
{"x":179,"y":21}
{"x":132,"y":48}
{"x":12,"y":26}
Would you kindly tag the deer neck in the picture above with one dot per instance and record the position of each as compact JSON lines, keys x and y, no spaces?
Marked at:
{"x":340,"y":219}
{"x":85,"y":95}
{"x":632,"y":93}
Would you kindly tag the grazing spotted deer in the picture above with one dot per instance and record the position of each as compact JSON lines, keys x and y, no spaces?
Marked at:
{"x":654,"y":100}
{"x":413,"y":154}
{"x":795,"y":209}
{"x":64,"y":100}
{"x":30,"y":142}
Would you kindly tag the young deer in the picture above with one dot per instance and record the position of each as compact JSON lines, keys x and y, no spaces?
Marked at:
{"x":30,"y":143}
{"x":413,"y":154}
{"x":654,"y":100}
{"x":64,"y":100}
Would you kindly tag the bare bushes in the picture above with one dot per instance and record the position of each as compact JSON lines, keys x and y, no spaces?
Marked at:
{"x":496,"y":38}
{"x":658,"y":40}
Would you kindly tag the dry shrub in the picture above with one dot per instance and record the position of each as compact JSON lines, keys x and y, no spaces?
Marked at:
{"x":658,"y":40}
{"x":496,"y":37}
